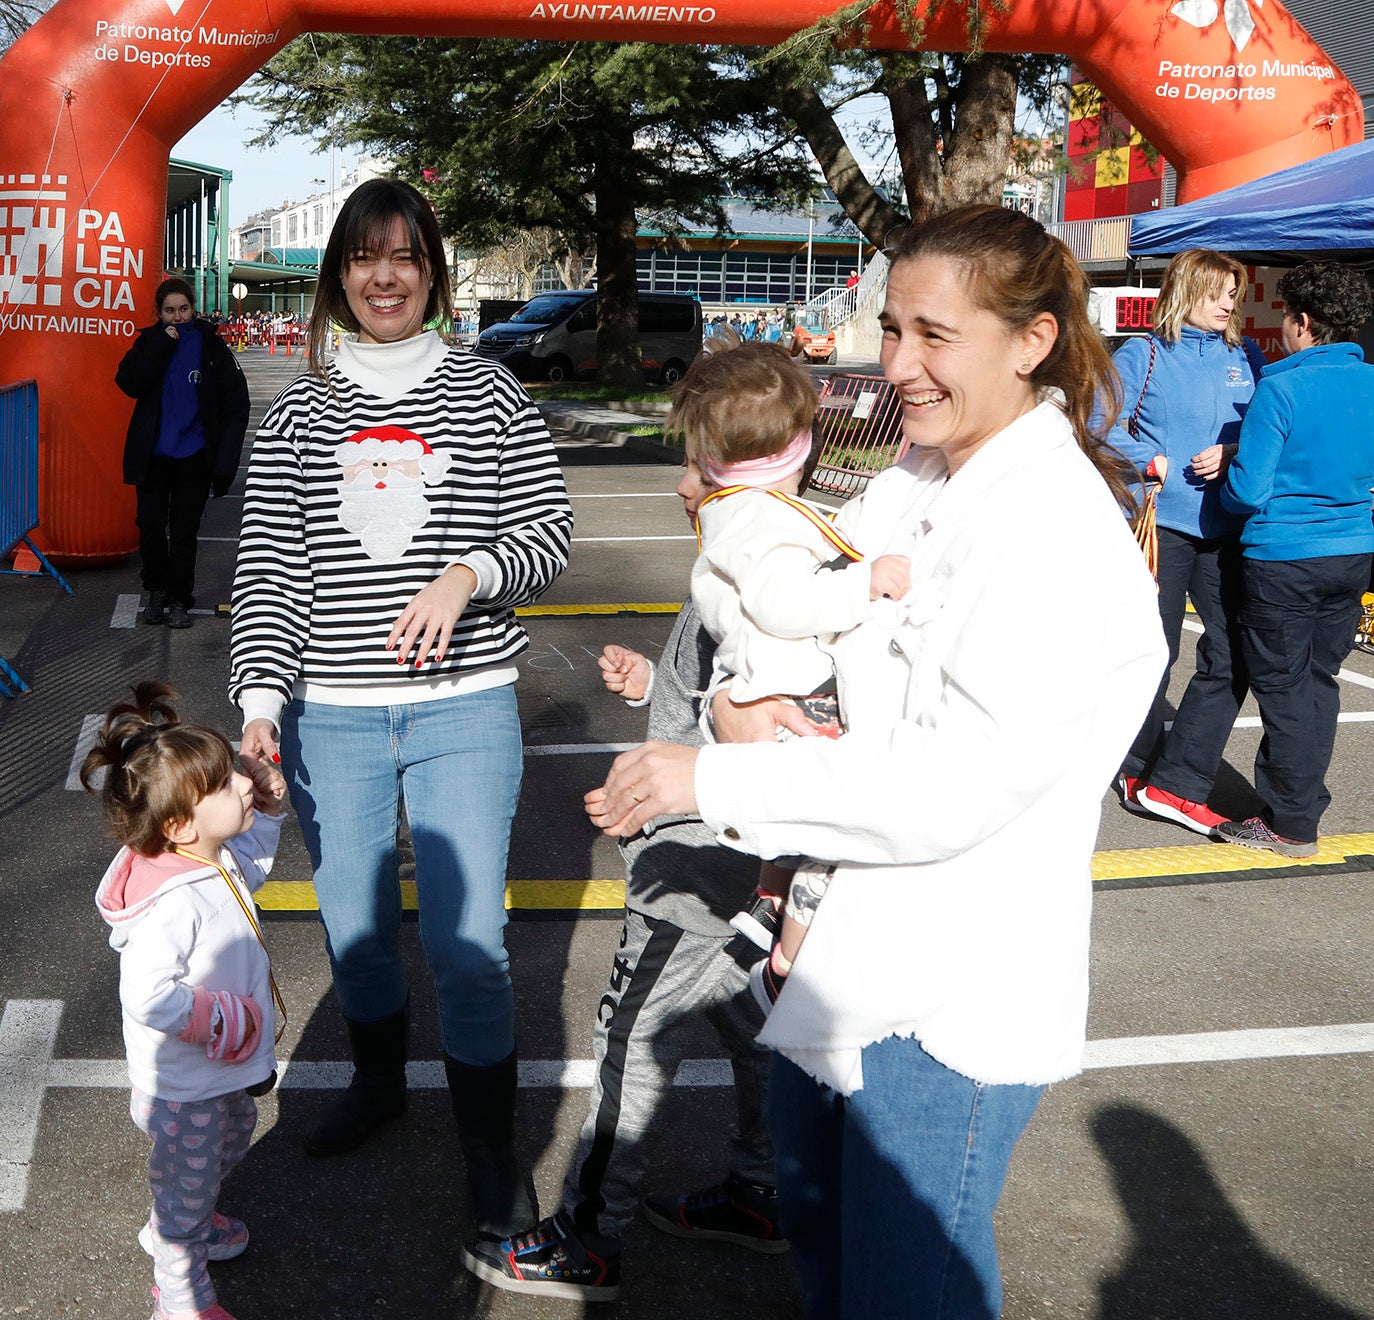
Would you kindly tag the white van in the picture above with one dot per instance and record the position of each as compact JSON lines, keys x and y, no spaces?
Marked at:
{"x":553,"y":336}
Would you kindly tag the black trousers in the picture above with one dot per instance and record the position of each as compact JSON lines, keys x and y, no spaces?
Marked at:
{"x":1185,"y":761}
{"x":170,"y":503}
{"x":1298,"y":625}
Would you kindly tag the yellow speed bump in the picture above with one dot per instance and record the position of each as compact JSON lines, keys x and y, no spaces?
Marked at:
{"x":572,"y":611}
{"x":1202,"y":859}
{"x":521,"y":896}
{"x":565,"y":611}
{"x":1221,"y":858}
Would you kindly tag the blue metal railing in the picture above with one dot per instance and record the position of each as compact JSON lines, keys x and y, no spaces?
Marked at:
{"x":19,"y":496}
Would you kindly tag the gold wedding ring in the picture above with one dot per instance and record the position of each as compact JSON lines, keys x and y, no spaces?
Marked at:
{"x":634,"y":795}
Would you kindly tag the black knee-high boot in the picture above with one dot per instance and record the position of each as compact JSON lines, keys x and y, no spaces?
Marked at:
{"x":377,"y":1092}
{"x":483,"y":1099}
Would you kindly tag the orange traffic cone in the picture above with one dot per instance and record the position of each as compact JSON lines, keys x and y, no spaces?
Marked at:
{"x":288,"y":343}
{"x":271,"y":343}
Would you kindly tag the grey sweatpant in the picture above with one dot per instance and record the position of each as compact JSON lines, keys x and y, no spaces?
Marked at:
{"x":662,"y":978}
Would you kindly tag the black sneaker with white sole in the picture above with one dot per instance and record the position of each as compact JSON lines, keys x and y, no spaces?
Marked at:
{"x":549,"y":1260}
{"x":761,"y":921}
{"x":742,"y":1213}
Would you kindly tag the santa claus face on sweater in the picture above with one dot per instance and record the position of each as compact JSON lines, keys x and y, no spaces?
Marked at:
{"x":382,"y":495}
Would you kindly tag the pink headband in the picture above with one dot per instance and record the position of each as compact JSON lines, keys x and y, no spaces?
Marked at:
{"x":765,"y":471}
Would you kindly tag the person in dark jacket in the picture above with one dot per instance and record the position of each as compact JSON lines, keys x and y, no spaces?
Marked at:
{"x":184,"y":442}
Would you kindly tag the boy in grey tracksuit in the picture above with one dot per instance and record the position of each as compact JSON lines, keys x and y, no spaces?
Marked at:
{"x":678,"y":960}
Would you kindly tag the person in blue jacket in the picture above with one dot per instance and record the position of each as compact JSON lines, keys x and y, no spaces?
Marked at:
{"x":184,"y":442}
{"x":1185,"y":389}
{"x":1301,"y":480}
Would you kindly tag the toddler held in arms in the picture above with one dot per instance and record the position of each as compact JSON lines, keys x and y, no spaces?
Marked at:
{"x":773,"y":583}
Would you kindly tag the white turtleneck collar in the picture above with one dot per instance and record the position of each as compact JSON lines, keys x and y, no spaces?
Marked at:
{"x":390,"y":370}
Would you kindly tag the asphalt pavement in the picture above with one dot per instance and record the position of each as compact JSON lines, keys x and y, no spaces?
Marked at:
{"x":1213,"y":1161}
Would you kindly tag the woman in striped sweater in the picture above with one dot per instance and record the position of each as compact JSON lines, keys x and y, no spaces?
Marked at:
{"x":401,"y":501}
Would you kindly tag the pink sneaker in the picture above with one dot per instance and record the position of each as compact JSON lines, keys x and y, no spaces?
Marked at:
{"x":1195,"y":816}
{"x":228,"y":1237}
{"x":212,"y":1312}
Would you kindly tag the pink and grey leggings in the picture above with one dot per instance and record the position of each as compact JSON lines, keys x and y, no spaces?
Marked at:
{"x":195,"y":1144}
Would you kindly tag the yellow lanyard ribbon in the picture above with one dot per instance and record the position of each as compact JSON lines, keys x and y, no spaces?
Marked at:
{"x":278,"y":1002}
{"x":821,"y":523}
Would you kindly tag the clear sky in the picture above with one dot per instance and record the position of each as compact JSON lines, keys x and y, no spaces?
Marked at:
{"x":263,"y":177}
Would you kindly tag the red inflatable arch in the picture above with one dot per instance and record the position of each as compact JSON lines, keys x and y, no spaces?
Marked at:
{"x":95,"y":94}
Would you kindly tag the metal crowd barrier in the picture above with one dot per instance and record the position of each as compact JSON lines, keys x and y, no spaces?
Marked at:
{"x":19,"y":497}
{"x":859,"y":421}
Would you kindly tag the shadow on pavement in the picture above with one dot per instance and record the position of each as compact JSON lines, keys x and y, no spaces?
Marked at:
{"x":1193,"y":1257}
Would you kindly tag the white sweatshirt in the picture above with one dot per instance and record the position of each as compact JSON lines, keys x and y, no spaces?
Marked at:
{"x":763,"y":592}
{"x":190,"y":931}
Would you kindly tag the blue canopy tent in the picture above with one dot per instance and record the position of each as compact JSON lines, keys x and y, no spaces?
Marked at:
{"x":1323,"y":207}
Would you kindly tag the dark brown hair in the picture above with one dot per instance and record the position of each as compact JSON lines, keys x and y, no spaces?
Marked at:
{"x":157,"y":769}
{"x":170,"y":286}
{"x":741,"y":401}
{"x":1337,"y":299}
{"x":364,"y":224}
{"x":1014,"y":269}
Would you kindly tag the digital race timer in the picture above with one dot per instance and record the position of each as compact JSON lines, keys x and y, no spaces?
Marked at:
{"x":1125,"y":310}
{"x":1135,"y":313}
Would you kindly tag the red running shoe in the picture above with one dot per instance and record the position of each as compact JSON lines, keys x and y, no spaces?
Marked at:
{"x":1195,"y":816}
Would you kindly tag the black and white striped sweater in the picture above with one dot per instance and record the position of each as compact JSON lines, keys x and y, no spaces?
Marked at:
{"x":314,"y":601}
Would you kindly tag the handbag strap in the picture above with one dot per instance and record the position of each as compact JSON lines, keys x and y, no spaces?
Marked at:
{"x":277,"y":1000}
{"x":1133,"y":426}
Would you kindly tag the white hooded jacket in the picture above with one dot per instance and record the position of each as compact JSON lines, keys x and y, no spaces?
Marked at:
{"x":190,"y":931}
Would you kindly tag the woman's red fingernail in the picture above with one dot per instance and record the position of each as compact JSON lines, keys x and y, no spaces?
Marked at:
{"x":276,"y":757}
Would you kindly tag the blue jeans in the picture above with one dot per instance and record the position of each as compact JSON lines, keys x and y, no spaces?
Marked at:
{"x":456,"y":766}
{"x":887,"y":1195}
{"x":1299,"y":619}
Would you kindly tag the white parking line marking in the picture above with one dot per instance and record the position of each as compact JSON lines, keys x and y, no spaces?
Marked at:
{"x":125,"y":612}
{"x":578,"y":749}
{"x":1231,"y":1046}
{"x":28,"y":1032}
{"x":576,"y":1074}
{"x":85,"y":740}
{"x":28,"y":1035}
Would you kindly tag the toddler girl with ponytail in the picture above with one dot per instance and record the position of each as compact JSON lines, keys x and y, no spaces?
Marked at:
{"x":198,"y":1000}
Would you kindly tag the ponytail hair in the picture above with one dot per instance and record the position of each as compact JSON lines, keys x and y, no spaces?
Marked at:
{"x":156,"y":769}
{"x":1013,"y":268}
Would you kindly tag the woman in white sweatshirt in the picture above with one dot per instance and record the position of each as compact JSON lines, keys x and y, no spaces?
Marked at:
{"x":401,"y":502}
{"x":945,"y":980}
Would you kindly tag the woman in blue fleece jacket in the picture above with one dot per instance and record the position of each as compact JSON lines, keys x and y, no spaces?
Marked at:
{"x":1184,"y":391}
{"x":1302,"y":480}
